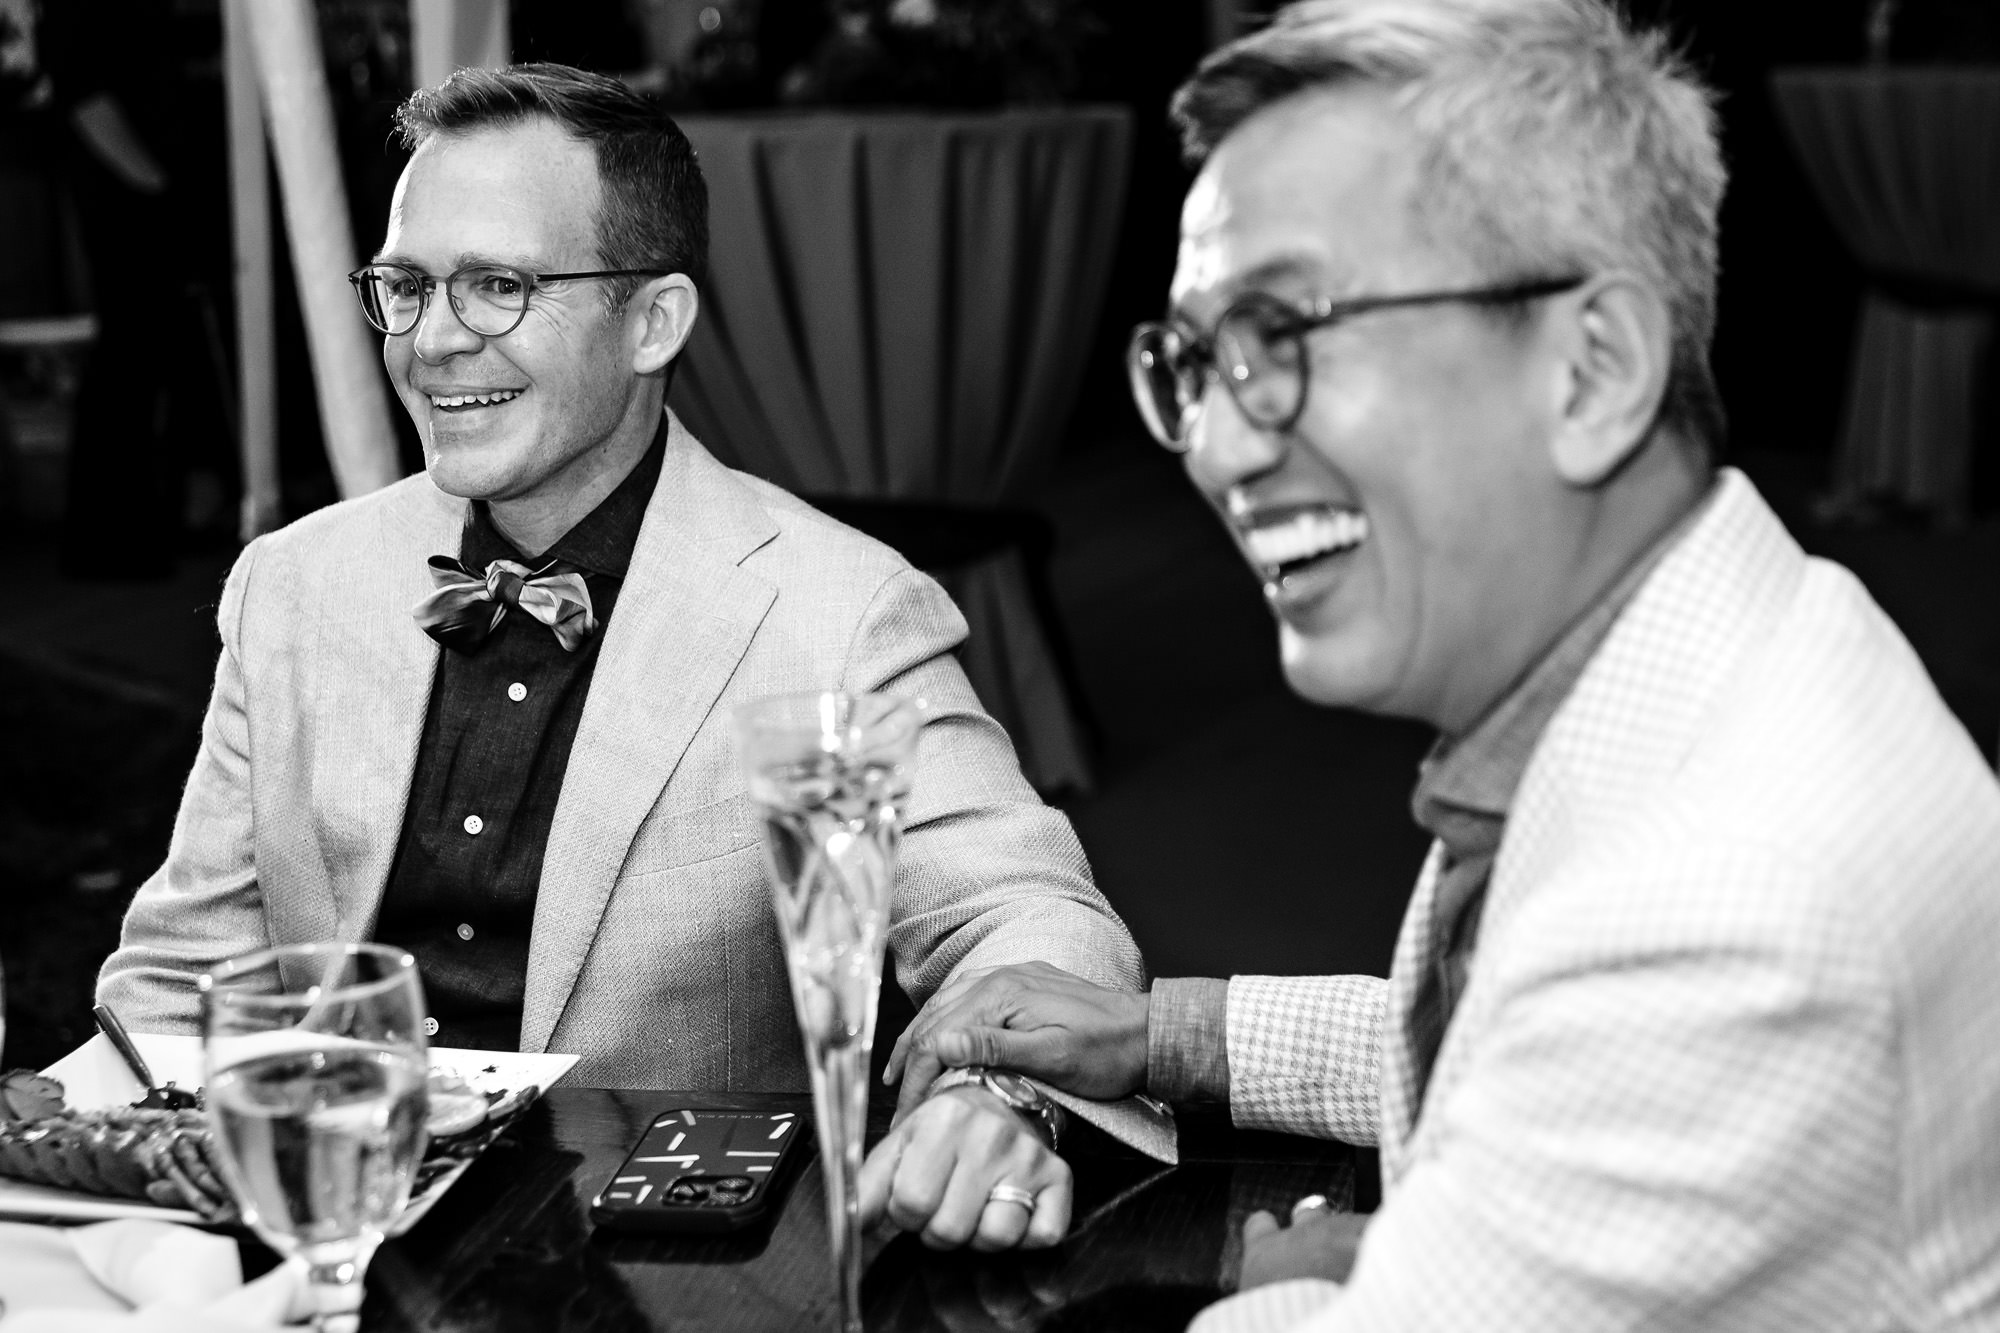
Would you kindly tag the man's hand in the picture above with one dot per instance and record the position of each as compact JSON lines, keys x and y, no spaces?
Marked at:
{"x":1029,"y":1017}
{"x":1316,"y":1244}
{"x":936,"y":1172}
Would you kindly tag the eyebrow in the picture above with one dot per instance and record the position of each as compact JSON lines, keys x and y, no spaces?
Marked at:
{"x":1257,"y":278}
{"x":464,"y":258}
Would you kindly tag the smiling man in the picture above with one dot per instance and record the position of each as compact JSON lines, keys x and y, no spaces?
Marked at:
{"x":485,"y":714}
{"x":1689,"y":1023}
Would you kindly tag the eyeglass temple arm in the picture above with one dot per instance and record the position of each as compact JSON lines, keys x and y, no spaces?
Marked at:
{"x":1330,"y":309}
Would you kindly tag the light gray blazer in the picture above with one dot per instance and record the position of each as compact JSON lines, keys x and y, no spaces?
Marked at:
{"x":1729,"y":1057}
{"x":653,"y":955}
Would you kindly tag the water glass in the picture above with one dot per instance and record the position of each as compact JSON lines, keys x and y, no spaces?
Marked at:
{"x":315,"y":1066}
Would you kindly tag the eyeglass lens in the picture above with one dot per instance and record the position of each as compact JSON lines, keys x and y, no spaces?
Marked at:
{"x":1259,"y":352}
{"x":489,"y":300}
{"x":1258,"y":357}
{"x":1156,"y":364}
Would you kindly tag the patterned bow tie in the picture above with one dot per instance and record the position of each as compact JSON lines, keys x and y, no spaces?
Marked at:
{"x":466,"y":608}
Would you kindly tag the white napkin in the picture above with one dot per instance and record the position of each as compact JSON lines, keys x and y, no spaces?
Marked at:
{"x":128,"y":1276}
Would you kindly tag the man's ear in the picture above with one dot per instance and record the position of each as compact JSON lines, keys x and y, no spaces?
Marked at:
{"x":664,"y":310}
{"x":1618,"y":352}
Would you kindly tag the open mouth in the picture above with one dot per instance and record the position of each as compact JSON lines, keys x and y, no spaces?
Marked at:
{"x":467,"y":402}
{"x":1284,"y":545}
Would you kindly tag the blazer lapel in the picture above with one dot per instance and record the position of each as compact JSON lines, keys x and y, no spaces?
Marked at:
{"x":1415,"y":949}
{"x":1625,"y":727}
{"x":370,"y":706}
{"x":685,"y":617}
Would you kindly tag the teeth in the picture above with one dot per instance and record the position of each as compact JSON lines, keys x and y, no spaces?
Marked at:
{"x":1307,"y":536}
{"x":468,"y":399}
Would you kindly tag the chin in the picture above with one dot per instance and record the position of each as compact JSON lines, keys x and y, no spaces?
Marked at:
{"x":1331,"y":670}
{"x":452,"y":472}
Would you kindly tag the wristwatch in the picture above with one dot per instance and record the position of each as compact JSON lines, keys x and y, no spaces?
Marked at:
{"x":1030,"y":1101}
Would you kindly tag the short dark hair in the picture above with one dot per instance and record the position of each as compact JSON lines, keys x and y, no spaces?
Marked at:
{"x":654,"y":209}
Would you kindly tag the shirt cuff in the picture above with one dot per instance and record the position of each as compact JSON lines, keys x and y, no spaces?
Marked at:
{"x":1187,"y":1040}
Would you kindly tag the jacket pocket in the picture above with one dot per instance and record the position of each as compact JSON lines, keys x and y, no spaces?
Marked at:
{"x":673,"y":838}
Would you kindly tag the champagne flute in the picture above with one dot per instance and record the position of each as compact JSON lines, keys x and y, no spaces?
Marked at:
{"x":315,"y":1065}
{"x":831,"y":775}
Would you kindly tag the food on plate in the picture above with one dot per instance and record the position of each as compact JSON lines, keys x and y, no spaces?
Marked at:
{"x":130,"y":1152}
{"x":455,"y":1105}
{"x":454,"y":1136}
{"x":168,"y":1157}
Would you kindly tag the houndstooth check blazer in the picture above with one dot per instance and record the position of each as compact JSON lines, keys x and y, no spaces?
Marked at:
{"x":654,"y":955}
{"x":1729,"y":1057}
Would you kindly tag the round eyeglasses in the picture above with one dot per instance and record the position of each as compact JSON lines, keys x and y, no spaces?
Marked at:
{"x":1258,"y":353}
{"x":489,"y":299}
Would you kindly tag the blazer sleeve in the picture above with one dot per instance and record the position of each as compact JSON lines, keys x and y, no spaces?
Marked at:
{"x":987,"y":874}
{"x":1305,"y":1055}
{"x":203,"y":905}
{"x":1681,"y":1116}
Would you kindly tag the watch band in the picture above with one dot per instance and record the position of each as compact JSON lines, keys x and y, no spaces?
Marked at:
{"x":1020,"y":1095}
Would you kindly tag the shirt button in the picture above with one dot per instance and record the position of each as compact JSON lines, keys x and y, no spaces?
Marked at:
{"x":464,"y":931}
{"x":430,"y":1027}
{"x":473,"y":823}
{"x":517,"y":691}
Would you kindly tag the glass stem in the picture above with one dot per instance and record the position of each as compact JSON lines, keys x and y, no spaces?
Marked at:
{"x":336,"y":1295}
{"x":840,"y":1101}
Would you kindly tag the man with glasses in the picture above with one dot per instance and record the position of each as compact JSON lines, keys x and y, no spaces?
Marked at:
{"x":485,"y":714}
{"x":1690,"y":1023}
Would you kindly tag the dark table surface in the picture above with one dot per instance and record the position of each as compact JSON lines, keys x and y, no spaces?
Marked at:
{"x":512,"y":1247}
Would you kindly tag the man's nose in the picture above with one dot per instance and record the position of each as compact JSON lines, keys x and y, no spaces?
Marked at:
{"x":440,"y":333}
{"x":1227,"y":449}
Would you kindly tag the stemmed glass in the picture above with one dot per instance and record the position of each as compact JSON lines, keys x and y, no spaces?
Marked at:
{"x":831,"y":774}
{"x":315,"y":1065}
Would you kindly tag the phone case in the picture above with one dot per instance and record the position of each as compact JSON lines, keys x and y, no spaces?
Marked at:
{"x":702,"y":1171}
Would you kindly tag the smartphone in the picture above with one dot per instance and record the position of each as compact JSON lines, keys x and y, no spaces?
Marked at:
{"x":703,"y":1172}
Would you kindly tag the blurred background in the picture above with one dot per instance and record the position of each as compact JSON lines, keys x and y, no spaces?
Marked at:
{"x":1004,"y":184}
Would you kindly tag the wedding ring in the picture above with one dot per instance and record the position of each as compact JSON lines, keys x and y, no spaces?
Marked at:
{"x":1312,"y":1203}
{"x":1012,"y":1194}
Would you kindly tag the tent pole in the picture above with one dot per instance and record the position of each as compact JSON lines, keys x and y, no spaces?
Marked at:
{"x":250,"y":229}
{"x":353,"y":404}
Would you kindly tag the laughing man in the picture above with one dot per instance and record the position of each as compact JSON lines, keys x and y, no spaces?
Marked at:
{"x":1690,"y":1023}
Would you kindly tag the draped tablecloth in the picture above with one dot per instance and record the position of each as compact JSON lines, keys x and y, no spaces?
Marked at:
{"x":1906,"y":161}
{"x":898,"y":308}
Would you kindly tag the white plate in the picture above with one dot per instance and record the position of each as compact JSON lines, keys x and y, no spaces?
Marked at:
{"x":93,"y":1076}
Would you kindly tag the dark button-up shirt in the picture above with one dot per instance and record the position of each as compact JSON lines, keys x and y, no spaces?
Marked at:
{"x":496,"y":743}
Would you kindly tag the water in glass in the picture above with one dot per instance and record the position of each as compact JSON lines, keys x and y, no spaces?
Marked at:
{"x":315,"y":1065}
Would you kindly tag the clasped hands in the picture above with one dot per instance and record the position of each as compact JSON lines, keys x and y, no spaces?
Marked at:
{"x":951,"y":1164}
{"x":935,"y":1171}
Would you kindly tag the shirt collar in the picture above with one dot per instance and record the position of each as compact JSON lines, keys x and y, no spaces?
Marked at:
{"x":601,"y":542}
{"x":1465,"y":787}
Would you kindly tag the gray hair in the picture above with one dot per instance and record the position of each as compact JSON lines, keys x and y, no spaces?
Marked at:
{"x":1557,"y":138}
